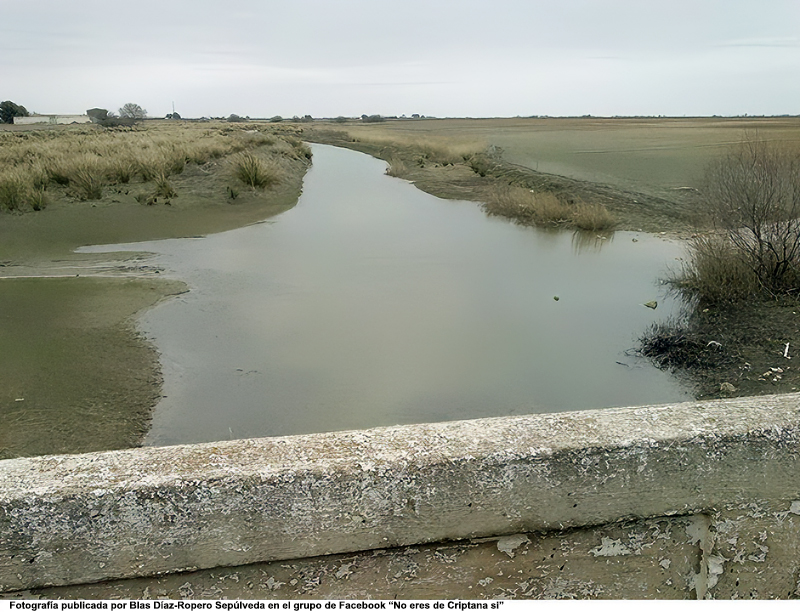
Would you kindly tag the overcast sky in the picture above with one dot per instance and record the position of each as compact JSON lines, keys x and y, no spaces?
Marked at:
{"x":347,"y":57}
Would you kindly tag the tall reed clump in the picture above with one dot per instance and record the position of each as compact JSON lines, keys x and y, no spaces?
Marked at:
{"x":396,"y":167}
{"x":592,"y":217}
{"x":255,"y":171}
{"x":715,"y":271}
{"x":546,"y":209}
{"x":18,"y":192}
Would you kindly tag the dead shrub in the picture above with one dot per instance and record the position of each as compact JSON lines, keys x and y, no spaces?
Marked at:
{"x":753,"y":196}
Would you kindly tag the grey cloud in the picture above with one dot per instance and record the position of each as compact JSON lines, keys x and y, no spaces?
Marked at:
{"x":442,"y":57}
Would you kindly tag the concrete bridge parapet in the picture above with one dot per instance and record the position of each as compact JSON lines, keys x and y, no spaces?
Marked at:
{"x":77,"y":519}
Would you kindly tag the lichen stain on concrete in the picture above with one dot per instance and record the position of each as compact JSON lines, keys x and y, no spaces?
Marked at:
{"x":544,"y":566}
{"x":755,"y":548}
{"x":610,"y":548}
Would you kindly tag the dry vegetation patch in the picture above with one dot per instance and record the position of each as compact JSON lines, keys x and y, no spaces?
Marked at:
{"x":546,"y":209}
{"x":85,"y":161}
{"x":741,"y":279}
{"x":426,"y":149}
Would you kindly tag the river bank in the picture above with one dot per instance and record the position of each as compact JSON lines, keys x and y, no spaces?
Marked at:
{"x":474,"y":169}
{"x":76,"y":374}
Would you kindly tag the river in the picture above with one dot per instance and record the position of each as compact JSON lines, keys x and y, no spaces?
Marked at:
{"x":373,"y":303}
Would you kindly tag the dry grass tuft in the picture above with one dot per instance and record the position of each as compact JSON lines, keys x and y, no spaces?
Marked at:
{"x":87,"y":182}
{"x":546,"y":210}
{"x":528,"y":208}
{"x":716,"y":271}
{"x":592,"y":217}
{"x":255,"y":171}
{"x":164,"y":188}
{"x":120,"y":171}
{"x":19,"y":191}
{"x":14,"y":191}
{"x":397,"y":167}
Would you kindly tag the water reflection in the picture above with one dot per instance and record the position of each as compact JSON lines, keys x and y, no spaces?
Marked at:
{"x":584,"y":241}
{"x":372,"y":303}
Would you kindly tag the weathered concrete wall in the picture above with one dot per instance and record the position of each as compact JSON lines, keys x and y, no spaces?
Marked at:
{"x":657,"y":558}
{"x":85,"y":518}
{"x":53,"y":119}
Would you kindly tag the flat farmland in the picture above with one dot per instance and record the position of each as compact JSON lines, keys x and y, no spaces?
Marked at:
{"x":656,"y":156}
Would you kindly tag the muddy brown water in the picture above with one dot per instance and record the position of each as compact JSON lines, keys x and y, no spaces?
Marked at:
{"x":372,"y":303}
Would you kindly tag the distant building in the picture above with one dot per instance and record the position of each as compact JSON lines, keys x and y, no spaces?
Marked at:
{"x":97,"y":115}
{"x":52,"y":119}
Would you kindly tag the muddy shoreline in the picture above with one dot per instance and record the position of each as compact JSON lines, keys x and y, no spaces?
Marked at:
{"x":77,"y":376}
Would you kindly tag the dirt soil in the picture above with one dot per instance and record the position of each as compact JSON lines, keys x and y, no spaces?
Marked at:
{"x":750,"y":348}
{"x":75,"y":375}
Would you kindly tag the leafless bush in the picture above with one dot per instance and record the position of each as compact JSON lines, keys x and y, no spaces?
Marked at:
{"x":753,"y":197}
